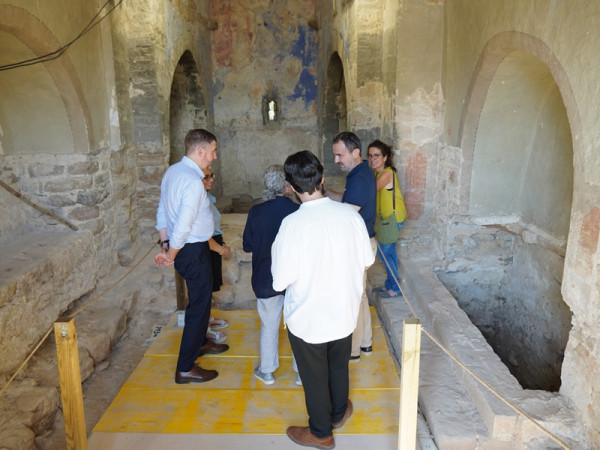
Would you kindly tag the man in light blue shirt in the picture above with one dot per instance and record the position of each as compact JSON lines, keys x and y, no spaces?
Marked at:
{"x":185,"y":223}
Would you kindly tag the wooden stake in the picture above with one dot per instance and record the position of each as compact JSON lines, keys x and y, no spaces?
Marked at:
{"x":409,"y":384}
{"x":70,"y":383}
{"x":181,"y":292}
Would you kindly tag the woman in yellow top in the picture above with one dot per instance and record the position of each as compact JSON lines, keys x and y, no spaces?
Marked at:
{"x":380,"y":159}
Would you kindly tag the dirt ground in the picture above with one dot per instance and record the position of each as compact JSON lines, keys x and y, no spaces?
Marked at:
{"x":156,"y":305}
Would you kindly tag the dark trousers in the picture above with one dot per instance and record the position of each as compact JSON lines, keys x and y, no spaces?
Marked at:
{"x":193,"y":264}
{"x":323,"y":369}
{"x":216,"y":261}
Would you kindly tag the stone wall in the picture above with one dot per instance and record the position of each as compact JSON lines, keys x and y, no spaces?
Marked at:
{"x":510,"y":290}
{"x":114,"y":325}
{"x":267,"y":50}
{"x":81,"y":190}
{"x":472,"y":57}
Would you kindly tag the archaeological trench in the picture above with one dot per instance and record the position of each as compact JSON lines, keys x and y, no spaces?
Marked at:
{"x":492,"y":111}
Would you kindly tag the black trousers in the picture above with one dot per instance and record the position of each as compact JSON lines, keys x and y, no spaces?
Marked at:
{"x":193,"y":264}
{"x":323,"y":369}
{"x":216,"y":261}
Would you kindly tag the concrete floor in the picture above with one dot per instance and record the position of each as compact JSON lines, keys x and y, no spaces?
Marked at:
{"x":236,"y":410}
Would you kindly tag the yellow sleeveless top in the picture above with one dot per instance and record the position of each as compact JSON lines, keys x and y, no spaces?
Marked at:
{"x":385,"y":200}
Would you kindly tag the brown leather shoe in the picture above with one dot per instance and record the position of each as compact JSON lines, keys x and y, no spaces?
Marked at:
{"x":303,"y":436}
{"x":346,"y":416}
{"x":213,"y":348}
{"x":196,"y":375}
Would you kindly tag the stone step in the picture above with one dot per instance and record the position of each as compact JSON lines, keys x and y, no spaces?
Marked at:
{"x":46,"y":272}
{"x":448,"y":410}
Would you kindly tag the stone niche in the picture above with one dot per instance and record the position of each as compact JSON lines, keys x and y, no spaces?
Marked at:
{"x":509,"y":284}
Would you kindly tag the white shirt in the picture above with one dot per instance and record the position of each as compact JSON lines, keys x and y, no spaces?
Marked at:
{"x":184,"y":208}
{"x":319,"y":257}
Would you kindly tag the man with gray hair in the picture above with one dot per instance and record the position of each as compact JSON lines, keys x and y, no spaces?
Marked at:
{"x":261,"y":228}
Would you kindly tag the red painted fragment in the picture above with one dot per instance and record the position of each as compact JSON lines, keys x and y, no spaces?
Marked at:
{"x":414,"y":190}
{"x":588,"y":239}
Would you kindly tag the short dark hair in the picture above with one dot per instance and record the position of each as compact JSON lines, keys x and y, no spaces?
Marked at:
{"x":195,"y":138}
{"x":350,"y":140}
{"x":386,"y":150}
{"x":304,"y":172}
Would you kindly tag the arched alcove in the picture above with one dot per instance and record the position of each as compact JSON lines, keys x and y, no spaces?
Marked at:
{"x":523,"y":155}
{"x":39,"y":99}
{"x":519,"y":158}
{"x":187,"y":107}
{"x":334,"y":115}
{"x":187,"y":110}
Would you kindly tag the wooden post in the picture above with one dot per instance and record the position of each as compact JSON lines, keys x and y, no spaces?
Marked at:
{"x":180,"y":292}
{"x":409,"y":384}
{"x":70,"y":383}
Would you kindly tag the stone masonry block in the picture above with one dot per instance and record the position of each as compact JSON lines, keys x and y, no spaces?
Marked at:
{"x":83,"y":213}
{"x":60,"y":201}
{"x":83,"y":168}
{"x":47,"y":272}
{"x":91,"y":197}
{"x":101,"y":319}
{"x":44,"y":170}
{"x":31,"y":405}
{"x":68,"y":184}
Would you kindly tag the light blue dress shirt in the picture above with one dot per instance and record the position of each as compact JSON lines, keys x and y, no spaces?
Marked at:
{"x":184,"y":207}
{"x":216,"y":214}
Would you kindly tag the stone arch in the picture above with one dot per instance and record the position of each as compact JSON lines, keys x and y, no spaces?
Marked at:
{"x":334,"y":117}
{"x":187,"y":110}
{"x":495,"y":51}
{"x":517,"y":137}
{"x":187,"y":105}
{"x":53,"y":91}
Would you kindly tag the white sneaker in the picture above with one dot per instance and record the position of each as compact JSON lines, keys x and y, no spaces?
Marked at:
{"x":266,"y":378}
{"x":218,"y":337}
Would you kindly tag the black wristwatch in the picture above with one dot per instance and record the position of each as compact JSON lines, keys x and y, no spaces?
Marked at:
{"x":162,"y":243}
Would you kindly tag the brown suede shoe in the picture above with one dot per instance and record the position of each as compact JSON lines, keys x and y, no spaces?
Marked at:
{"x":303,"y":436}
{"x":196,"y":375}
{"x":346,"y":416}
{"x":213,"y":348}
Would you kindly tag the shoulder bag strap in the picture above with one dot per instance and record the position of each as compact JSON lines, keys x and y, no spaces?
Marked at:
{"x":393,"y":190}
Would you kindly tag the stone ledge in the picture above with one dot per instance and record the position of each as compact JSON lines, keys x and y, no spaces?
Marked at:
{"x":441,"y":396}
{"x":492,"y":423}
{"x":40,"y":276}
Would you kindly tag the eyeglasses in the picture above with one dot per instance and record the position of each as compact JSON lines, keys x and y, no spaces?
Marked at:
{"x":209,"y":177}
{"x":374,"y":156}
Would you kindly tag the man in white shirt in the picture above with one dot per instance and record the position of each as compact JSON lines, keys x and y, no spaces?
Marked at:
{"x":185,"y":224}
{"x":319,"y":256}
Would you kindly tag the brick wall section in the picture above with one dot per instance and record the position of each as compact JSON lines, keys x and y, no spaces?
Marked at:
{"x":79,"y":188}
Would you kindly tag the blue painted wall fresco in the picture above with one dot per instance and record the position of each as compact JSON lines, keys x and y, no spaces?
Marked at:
{"x":306,"y":49}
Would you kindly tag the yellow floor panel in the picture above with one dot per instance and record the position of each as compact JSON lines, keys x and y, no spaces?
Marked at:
{"x":239,"y":411}
{"x":236,"y":402}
